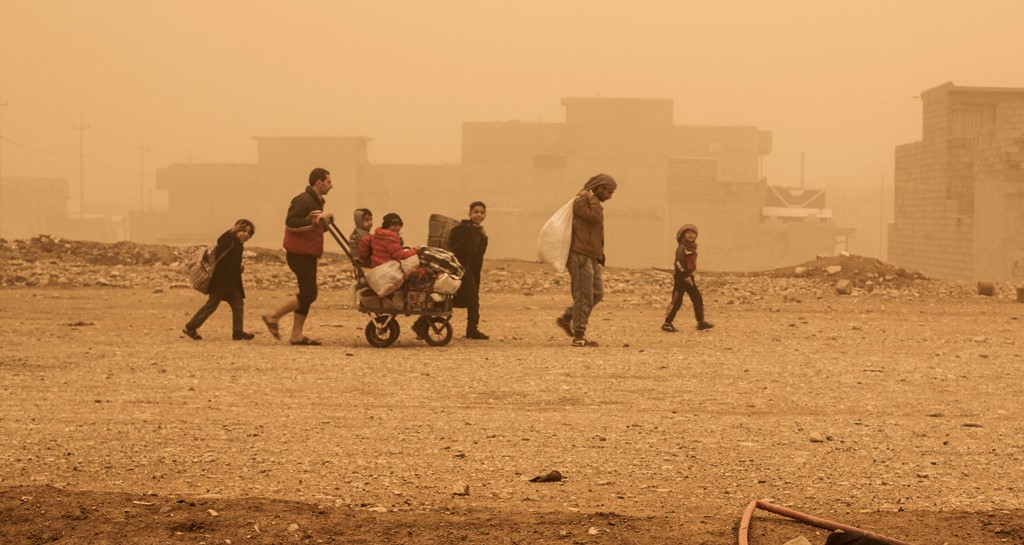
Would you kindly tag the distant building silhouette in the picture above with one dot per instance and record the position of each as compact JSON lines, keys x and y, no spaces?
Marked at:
{"x":959,"y":192}
{"x":669,"y":175}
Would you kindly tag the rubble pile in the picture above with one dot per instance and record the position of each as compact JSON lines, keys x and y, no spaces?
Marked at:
{"x":46,"y":261}
{"x":54,"y":262}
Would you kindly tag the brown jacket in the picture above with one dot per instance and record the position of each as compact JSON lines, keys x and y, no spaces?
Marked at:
{"x":588,"y":226}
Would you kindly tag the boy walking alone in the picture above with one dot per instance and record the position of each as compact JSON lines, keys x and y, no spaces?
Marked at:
{"x":682,"y":280}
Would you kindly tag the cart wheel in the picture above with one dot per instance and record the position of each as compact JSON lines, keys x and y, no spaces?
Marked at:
{"x":382,"y":331}
{"x":440,"y":331}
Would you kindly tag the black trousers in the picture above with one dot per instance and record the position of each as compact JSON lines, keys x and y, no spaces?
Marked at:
{"x":205,"y":311}
{"x":304,"y":267}
{"x":679,"y":287}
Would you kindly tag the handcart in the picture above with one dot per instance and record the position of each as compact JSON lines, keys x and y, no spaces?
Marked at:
{"x":382,"y":330}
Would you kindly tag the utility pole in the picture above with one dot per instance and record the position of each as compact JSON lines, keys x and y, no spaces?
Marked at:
{"x":881,"y":213}
{"x":801,"y":170}
{"x":81,"y":127}
{"x":2,"y":104}
{"x":142,"y":177}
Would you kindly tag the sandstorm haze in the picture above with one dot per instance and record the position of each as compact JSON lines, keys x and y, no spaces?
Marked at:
{"x":162,"y":83}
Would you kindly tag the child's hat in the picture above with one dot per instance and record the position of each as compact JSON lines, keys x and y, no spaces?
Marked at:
{"x":685,"y":228}
{"x":392,"y":219}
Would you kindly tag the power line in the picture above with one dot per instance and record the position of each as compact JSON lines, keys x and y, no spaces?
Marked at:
{"x":37,"y":150}
{"x":142,"y":149}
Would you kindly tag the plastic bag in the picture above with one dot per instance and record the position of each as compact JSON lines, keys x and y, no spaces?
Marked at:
{"x":446,"y":284}
{"x":385,"y":278}
{"x":556,"y":237}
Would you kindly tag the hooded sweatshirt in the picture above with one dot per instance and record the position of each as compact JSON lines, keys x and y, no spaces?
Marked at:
{"x":358,"y":232}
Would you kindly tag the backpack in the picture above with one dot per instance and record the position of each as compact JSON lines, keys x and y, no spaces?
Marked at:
{"x":440,"y":260}
{"x":200,"y":261}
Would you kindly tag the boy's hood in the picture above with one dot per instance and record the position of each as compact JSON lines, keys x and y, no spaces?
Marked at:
{"x":357,"y":217}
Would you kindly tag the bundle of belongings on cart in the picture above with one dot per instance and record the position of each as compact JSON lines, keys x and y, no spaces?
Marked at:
{"x":429,"y":269}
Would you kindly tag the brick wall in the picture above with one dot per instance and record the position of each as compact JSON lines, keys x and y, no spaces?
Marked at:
{"x":957,"y":190}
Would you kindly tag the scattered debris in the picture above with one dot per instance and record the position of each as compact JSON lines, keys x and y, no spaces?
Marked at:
{"x":552,"y":476}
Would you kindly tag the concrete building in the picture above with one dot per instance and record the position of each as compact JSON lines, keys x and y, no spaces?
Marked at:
{"x":669,"y":175}
{"x":959,"y":192}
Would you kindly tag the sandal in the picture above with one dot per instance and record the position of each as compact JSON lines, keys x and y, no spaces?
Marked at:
{"x":306,"y":341}
{"x":272,"y":328}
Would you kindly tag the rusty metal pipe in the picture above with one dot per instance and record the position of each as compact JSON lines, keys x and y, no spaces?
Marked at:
{"x":806,"y":519}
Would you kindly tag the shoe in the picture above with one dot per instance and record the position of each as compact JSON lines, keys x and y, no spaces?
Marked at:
{"x":305,"y":341}
{"x":583,"y":341}
{"x":192,"y":334}
{"x":419,"y":327}
{"x":565,"y":324}
{"x":668,"y":327}
{"x":477,"y":334}
{"x":242,"y":336}
{"x":704,"y":325}
{"x":272,"y":327}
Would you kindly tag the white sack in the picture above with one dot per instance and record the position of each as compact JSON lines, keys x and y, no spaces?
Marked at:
{"x":385,"y":278}
{"x":446,"y":284}
{"x":556,"y":237}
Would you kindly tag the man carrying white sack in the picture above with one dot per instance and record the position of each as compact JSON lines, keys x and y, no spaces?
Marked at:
{"x":586,"y":257}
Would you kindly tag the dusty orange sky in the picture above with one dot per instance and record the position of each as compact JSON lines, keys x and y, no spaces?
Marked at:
{"x":194,"y":80}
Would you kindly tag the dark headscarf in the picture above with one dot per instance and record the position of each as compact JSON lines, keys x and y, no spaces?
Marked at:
{"x":600,"y":180}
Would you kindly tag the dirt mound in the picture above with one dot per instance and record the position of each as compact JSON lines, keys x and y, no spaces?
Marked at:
{"x":862,"y":272}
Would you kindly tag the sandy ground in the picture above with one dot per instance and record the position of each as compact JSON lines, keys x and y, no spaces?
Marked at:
{"x":901,"y":415}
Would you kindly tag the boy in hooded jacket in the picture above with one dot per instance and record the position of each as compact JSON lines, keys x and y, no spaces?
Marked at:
{"x":363,"y":219}
{"x":683,"y":281}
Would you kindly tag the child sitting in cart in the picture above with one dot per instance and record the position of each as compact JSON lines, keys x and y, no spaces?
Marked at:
{"x":364,"y":224}
{"x":385,"y":244}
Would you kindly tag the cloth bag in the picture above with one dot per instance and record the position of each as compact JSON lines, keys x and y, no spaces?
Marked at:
{"x":387,"y":277}
{"x":446,"y":284}
{"x":200,"y":262}
{"x":556,"y":237}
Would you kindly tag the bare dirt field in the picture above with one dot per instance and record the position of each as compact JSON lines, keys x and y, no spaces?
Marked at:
{"x":896,"y":409}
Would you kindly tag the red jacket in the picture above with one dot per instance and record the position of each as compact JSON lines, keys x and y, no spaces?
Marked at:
{"x":303,"y":233}
{"x":385,"y":246}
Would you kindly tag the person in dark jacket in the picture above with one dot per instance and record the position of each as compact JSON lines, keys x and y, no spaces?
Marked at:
{"x":683,"y":282}
{"x":468,"y":241}
{"x":303,"y":244}
{"x":586,"y":256}
{"x":226,"y":283}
